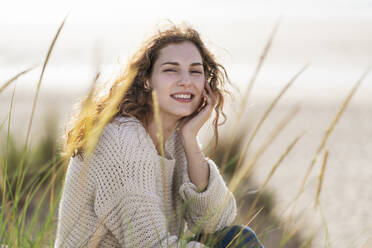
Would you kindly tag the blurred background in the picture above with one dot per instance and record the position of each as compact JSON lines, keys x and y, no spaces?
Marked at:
{"x":334,"y":37}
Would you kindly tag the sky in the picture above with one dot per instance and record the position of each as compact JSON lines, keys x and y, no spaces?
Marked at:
{"x":149,"y":9}
{"x":334,"y":36}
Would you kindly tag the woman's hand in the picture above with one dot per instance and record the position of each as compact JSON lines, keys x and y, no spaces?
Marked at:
{"x":191,"y":125}
{"x":198,"y":169}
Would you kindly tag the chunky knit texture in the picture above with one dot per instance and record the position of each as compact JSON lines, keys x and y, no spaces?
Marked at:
{"x":116,"y":197}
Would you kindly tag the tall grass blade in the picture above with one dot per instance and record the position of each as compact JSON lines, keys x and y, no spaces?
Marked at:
{"x":240,"y":232}
{"x":4,"y":181}
{"x":107,"y":113}
{"x":248,"y":167}
{"x":247,"y":94}
{"x":4,"y":121}
{"x":326,"y":231}
{"x":4,"y":176}
{"x":40,"y":80}
{"x":21,"y":173}
{"x":325,"y":138}
{"x":320,"y":179}
{"x":9,"y":81}
{"x":267,"y":112}
{"x":271,"y":173}
{"x":329,"y":131}
{"x":160,"y":137}
{"x":287,"y":235}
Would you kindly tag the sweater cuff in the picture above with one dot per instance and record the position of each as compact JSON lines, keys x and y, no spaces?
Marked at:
{"x":200,"y":202}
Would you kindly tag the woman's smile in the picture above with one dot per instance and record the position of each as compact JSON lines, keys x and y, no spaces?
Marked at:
{"x":178,"y":73}
{"x":183,"y":97}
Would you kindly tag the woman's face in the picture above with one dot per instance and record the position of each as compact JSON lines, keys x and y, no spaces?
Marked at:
{"x":178,"y":79}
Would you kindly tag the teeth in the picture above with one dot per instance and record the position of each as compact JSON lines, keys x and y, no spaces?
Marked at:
{"x":182,"y":96}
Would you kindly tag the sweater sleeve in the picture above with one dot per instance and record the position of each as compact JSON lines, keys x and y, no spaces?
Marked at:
{"x":212,"y":209}
{"x":126,"y":201}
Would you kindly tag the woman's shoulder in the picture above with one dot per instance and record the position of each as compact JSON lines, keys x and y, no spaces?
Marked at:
{"x":122,"y":138}
{"x":124,"y":126}
{"x":125,"y":120}
{"x":127,"y":132}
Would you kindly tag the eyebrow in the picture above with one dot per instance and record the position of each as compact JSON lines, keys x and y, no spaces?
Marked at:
{"x":176,"y":63}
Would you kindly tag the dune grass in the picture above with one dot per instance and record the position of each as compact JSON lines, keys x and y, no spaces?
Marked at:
{"x":31,"y":178}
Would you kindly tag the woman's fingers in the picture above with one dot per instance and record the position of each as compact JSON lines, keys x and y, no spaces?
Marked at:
{"x":209,"y":93}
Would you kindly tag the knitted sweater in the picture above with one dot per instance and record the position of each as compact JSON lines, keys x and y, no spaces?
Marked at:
{"x":118,"y":198}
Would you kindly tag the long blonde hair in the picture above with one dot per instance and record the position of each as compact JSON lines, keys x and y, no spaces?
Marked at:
{"x":128,"y":96}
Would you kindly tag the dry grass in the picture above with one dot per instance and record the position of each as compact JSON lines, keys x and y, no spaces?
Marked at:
{"x":16,"y":230}
{"x":272,"y":171}
{"x":331,"y":128}
{"x":244,"y":102}
{"x":266,"y":114}
{"x":320,"y":178}
{"x":324,"y":140}
{"x":249,"y":166}
{"x":17,"y":202}
{"x":40,"y":80}
{"x":160,"y":137}
{"x":14,"y":78}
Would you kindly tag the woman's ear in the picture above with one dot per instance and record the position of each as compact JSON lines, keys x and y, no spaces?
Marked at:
{"x":147,"y":85}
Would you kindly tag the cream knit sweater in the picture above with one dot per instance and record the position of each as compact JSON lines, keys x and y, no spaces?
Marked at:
{"x":116,"y":198}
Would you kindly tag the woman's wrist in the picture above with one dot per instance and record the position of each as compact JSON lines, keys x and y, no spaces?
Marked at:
{"x":188,"y":138}
{"x":198,"y":172}
{"x":192,"y":146}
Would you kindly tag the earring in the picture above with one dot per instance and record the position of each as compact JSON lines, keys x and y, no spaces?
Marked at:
{"x":146,"y":88}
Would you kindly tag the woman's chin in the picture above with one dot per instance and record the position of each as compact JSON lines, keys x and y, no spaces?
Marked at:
{"x":185,"y":113}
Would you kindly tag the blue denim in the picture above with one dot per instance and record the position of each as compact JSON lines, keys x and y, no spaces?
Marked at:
{"x":220,"y":239}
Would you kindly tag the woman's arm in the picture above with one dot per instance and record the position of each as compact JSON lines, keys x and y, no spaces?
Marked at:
{"x":212,"y":209}
{"x":197,"y":165}
{"x":210,"y":205}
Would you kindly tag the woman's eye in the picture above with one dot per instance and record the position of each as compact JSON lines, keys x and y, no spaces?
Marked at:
{"x":169,"y":70}
{"x":197,"y":72}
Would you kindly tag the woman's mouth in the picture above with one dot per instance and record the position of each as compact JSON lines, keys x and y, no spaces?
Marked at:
{"x":184,"y":98}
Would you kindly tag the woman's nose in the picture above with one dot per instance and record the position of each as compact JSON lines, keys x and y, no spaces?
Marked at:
{"x":184,"y":79}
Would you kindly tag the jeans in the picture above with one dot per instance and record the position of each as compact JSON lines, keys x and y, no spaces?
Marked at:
{"x":221,"y":239}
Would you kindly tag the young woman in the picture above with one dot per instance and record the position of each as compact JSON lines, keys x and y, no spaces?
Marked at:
{"x":147,"y":180}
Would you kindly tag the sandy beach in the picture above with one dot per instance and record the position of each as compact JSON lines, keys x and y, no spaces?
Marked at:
{"x":345,"y":199}
{"x":338,"y":50}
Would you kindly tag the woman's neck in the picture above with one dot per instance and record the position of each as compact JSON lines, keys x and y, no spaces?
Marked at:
{"x":167,"y":128}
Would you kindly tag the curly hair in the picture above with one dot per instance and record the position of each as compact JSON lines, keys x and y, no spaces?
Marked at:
{"x":136,"y":101}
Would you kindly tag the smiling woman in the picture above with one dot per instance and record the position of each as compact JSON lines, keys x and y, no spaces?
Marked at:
{"x":126,"y":192}
{"x":178,"y":78}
